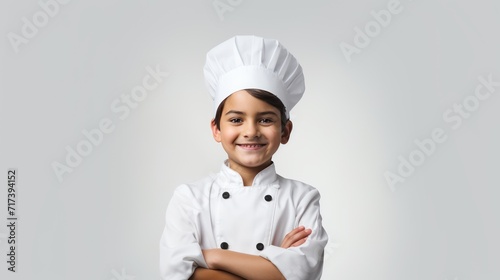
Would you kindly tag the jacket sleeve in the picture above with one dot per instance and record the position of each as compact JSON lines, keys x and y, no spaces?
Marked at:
{"x":180,"y":252}
{"x":304,"y":262}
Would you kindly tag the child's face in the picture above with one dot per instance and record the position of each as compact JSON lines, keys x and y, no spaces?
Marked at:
{"x":250,"y":131}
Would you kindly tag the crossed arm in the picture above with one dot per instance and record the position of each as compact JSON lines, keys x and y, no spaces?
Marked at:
{"x":230,"y":265}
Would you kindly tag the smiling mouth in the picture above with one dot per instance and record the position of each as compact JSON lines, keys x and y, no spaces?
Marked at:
{"x":251,"y":146}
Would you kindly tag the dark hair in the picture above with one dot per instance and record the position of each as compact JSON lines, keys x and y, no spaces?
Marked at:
{"x":260,"y":94}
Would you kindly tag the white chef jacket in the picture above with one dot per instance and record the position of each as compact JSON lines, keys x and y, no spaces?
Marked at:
{"x":219,"y":212}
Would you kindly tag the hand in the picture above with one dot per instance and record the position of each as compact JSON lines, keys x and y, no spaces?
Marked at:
{"x":296,"y":237}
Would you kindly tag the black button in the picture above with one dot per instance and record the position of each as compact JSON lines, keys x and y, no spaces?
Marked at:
{"x":225,"y":195}
{"x":224,"y":245}
{"x":268,"y":198}
{"x":260,"y":246}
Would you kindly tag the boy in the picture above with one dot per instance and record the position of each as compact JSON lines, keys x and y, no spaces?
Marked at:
{"x":247,"y":222}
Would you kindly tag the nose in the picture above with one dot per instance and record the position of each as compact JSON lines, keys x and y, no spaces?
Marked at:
{"x":251,"y":130}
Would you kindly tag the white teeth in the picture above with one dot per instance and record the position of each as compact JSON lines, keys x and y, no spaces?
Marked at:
{"x":251,"y":145}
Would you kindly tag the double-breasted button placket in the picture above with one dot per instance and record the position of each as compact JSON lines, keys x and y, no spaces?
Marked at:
{"x":242,"y":216}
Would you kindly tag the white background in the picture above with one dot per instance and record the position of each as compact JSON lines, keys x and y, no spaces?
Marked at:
{"x":104,"y":220}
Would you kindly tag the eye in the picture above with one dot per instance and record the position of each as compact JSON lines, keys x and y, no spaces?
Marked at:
{"x":267,"y":121}
{"x":235,"y":120}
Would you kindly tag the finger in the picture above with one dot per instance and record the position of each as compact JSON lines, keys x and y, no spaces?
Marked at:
{"x":293,"y":232}
{"x":305,"y":234}
{"x":300,"y":234}
{"x":300,"y":242}
{"x":295,"y":236}
{"x":289,"y":238}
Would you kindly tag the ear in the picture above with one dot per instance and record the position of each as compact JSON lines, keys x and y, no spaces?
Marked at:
{"x":215,"y":131}
{"x":285,"y":135}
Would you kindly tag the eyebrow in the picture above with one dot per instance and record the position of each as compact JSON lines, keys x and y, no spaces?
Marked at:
{"x":258,"y":114}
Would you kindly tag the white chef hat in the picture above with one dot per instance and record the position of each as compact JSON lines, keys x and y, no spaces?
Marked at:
{"x":251,"y":62}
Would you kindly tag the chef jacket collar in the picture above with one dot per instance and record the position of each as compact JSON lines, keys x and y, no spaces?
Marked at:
{"x":231,"y":178}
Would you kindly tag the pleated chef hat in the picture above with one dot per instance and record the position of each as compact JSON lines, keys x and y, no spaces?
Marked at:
{"x":251,"y":62}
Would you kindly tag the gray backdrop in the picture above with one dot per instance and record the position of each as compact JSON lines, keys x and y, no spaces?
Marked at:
{"x":104,"y":112}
